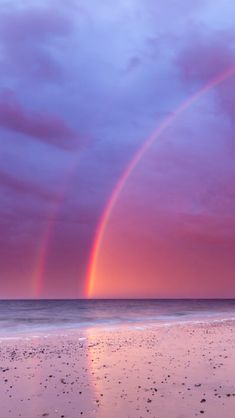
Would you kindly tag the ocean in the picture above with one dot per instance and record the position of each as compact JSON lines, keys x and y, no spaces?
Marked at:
{"x":27,"y":316}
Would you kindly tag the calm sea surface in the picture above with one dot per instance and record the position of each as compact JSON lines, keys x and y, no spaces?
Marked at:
{"x":20,"y":316}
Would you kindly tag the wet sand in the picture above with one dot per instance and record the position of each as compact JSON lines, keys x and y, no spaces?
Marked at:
{"x":178,"y":371}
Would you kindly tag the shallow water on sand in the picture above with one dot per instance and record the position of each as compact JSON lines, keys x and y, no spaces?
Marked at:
{"x":21,"y":316}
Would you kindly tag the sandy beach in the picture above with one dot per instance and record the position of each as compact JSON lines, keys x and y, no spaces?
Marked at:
{"x":176,"y":371}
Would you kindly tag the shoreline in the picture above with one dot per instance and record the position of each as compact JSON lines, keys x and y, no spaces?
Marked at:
{"x":110,"y":327}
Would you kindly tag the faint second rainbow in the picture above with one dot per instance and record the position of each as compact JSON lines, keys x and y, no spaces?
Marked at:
{"x":90,"y":278}
{"x":38,"y":276}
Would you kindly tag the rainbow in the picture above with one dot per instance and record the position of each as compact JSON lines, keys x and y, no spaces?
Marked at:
{"x":105,"y":218}
{"x":37,"y":280}
{"x":43,"y":250}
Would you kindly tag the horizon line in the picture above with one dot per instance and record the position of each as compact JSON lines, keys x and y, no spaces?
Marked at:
{"x":115,"y":298}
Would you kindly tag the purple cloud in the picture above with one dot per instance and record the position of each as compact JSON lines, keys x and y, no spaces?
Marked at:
{"x":204,"y":59}
{"x":37,"y":22}
{"x":31,"y":41}
{"x":43,"y":126}
{"x":22,"y":186}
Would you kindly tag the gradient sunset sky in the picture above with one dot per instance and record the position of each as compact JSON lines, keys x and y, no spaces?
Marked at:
{"x":83,"y":86}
